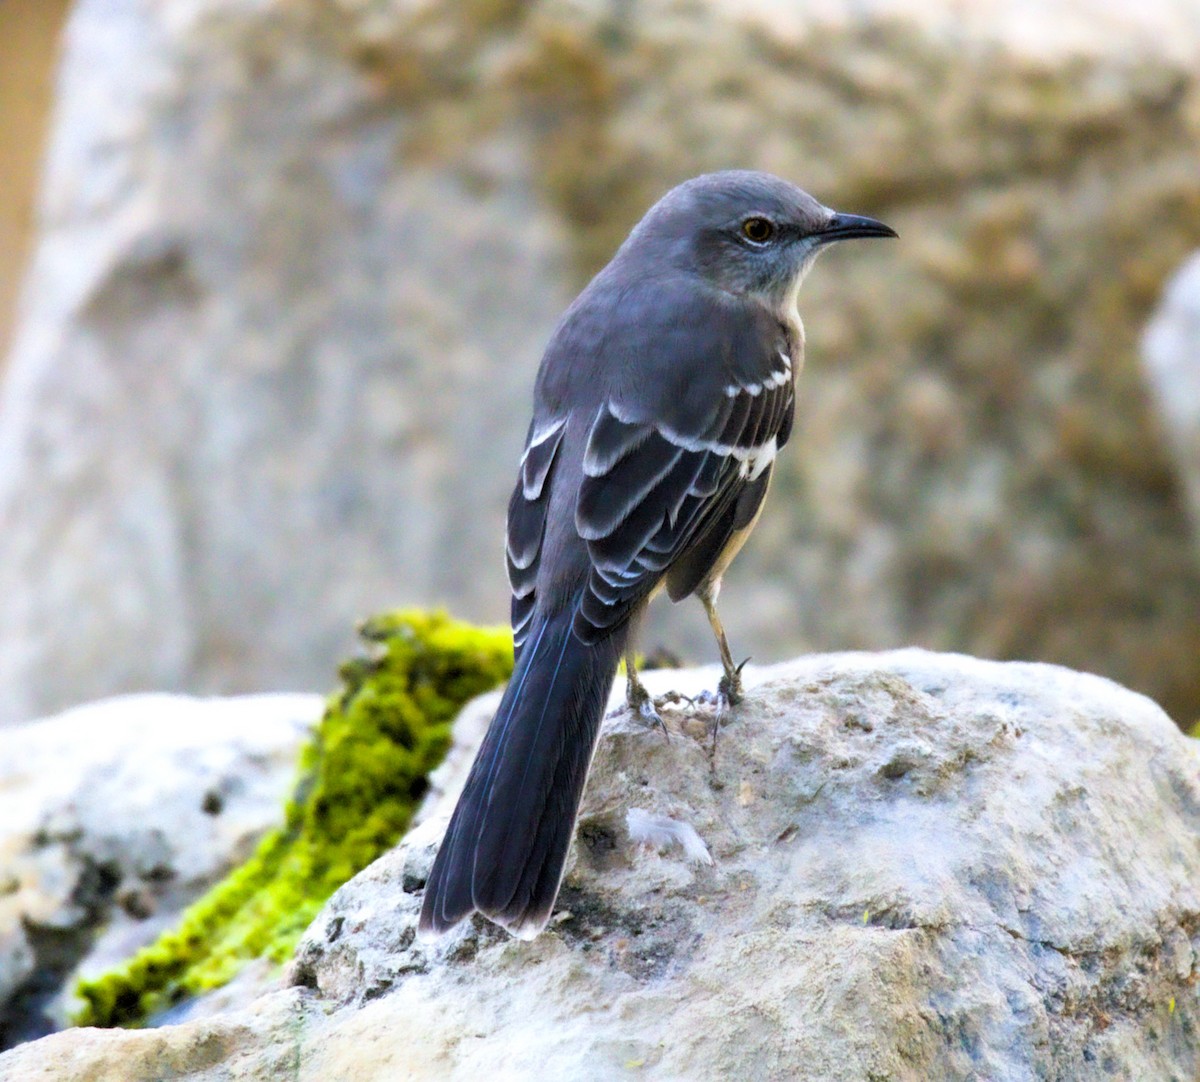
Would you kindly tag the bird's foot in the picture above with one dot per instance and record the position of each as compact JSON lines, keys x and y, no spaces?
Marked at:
{"x":728,"y":694}
{"x":730,"y":687}
{"x":642,"y":704}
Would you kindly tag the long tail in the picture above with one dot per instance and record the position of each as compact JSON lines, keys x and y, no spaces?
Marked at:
{"x":506,"y":846}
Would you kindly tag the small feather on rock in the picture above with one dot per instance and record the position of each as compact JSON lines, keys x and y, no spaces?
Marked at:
{"x":661,"y":831}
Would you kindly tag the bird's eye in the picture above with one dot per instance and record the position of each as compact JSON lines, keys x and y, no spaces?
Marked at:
{"x":758,"y":230}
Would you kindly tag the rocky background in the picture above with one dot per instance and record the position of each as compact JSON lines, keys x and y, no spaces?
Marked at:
{"x":293,"y":267}
{"x":296,"y":262}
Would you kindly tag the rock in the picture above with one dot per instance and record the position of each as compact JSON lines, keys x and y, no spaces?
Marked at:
{"x":923,"y":866}
{"x":114,"y":1055}
{"x":296,"y":286}
{"x":116,"y":815}
{"x":1171,"y":356}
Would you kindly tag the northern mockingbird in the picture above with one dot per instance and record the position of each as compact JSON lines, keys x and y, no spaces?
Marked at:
{"x":662,"y":400}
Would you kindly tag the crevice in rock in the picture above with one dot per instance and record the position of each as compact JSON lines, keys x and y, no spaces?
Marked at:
{"x":57,"y":950}
{"x":887,"y":918}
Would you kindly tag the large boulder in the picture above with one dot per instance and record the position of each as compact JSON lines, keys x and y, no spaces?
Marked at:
{"x":298,"y":260}
{"x":116,"y":815}
{"x":897,"y":866}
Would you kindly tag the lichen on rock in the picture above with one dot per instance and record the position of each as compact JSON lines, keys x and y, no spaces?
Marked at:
{"x":360,"y":780}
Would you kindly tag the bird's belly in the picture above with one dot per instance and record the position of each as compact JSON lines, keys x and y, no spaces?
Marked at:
{"x":712,"y":581}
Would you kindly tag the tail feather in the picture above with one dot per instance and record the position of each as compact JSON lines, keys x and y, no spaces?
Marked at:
{"x":506,"y":847}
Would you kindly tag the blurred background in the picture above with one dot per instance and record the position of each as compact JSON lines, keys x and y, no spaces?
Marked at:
{"x":275,"y":276}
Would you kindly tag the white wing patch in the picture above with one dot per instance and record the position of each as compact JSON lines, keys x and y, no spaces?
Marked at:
{"x":777,"y":378}
{"x":754,"y":465}
{"x":752,"y":460}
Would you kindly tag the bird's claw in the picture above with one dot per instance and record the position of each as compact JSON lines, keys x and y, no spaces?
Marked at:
{"x":730,"y":688}
{"x":647,"y":710}
{"x":728,"y":693}
{"x":726,"y":697}
{"x":640,"y":702}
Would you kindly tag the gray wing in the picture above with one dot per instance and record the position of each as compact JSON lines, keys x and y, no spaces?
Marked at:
{"x":665,"y":479}
{"x":685,"y":398}
{"x":527,"y":521}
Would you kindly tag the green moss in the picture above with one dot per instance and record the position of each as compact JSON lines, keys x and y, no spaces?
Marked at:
{"x":360,"y":779}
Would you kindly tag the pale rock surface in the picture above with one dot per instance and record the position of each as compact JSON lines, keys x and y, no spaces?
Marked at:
{"x":1171,"y":355}
{"x":298,"y":258}
{"x":116,"y":815}
{"x":924,"y":866}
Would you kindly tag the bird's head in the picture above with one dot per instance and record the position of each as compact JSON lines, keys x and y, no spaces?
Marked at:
{"x":743,"y":232}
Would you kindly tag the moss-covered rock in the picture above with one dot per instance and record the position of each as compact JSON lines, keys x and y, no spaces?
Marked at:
{"x":360,"y":780}
{"x":927,"y":866}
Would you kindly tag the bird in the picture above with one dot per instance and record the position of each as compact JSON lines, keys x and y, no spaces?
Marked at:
{"x":661,"y":403}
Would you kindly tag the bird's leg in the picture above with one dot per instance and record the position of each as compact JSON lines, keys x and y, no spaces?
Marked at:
{"x":638,"y":699}
{"x":730,"y":688}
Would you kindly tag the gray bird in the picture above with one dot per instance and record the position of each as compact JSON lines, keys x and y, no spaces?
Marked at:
{"x":661,"y":403}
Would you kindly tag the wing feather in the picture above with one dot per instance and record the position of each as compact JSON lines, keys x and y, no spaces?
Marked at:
{"x":689,"y":395}
{"x":667,"y":491}
{"x":610,"y":440}
{"x":527,"y":523}
{"x":603,"y":509}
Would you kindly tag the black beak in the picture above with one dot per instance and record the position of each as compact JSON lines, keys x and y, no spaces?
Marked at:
{"x":850,"y":226}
